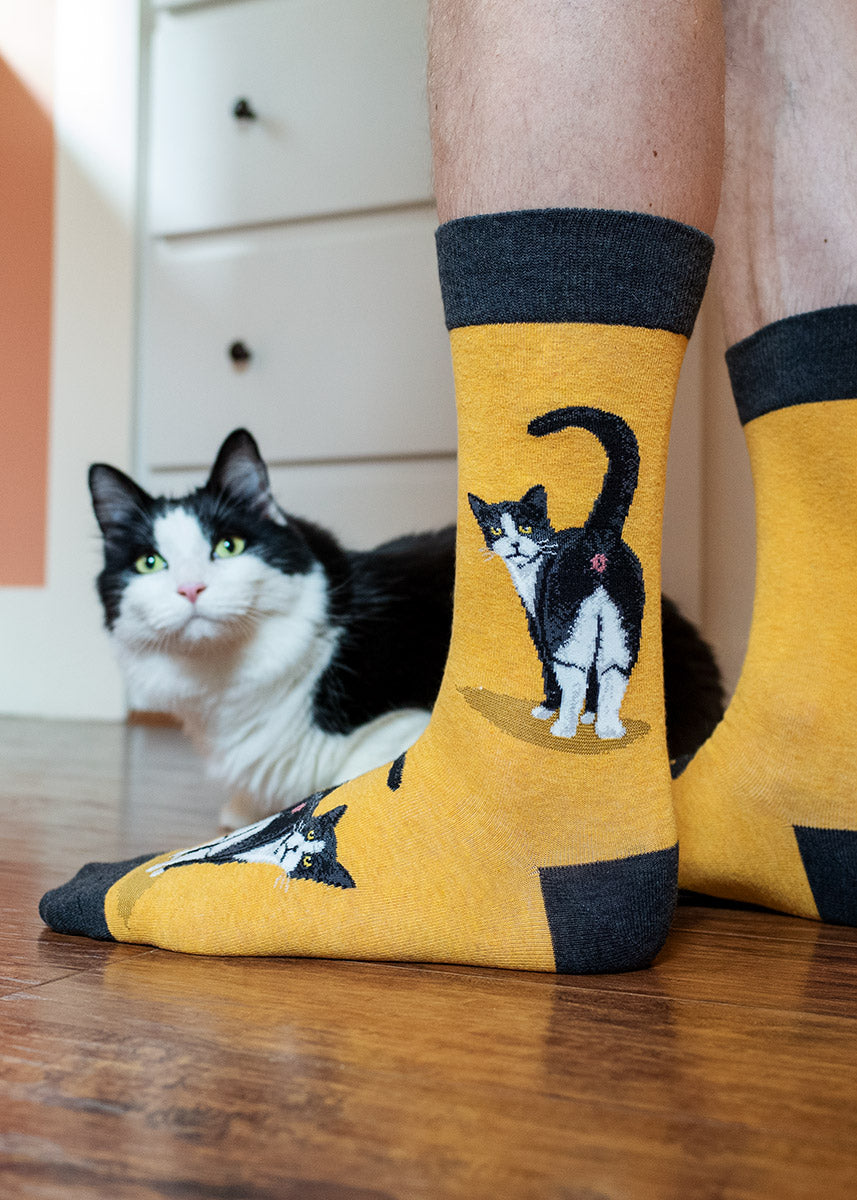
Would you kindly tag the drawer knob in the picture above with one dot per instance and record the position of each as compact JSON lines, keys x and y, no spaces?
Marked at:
{"x":243,"y":110}
{"x":239,"y":353}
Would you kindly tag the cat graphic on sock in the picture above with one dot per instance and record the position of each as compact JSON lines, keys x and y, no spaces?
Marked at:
{"x":297,"y":841}
{"x":582,"y":588}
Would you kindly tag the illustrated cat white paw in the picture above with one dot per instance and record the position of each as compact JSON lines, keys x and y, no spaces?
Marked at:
{"x":564,"y":729}
{"x":541,"y":713}
{"x":588,"y":718}
{"x":609,"y":729}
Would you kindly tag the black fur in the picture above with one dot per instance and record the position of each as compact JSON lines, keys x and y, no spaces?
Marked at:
{"x":394,"y":608}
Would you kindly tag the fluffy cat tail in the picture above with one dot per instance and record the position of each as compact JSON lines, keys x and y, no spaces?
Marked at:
{"x":623,"y":460}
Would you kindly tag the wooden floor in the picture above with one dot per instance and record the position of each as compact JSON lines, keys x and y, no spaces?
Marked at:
{"x":727,"y":1071}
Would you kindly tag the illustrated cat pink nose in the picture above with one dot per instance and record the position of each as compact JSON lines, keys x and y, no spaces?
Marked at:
{"x":191,"y":590}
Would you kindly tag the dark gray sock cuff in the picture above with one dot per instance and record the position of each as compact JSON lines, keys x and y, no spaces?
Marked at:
{"x":573,"y":265}
{"x":798,"y":360}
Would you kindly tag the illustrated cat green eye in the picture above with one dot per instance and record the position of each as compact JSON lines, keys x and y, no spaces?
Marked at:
{"x":310,"y":835}
{"x":525,"y":529}
{"x":229,"y":547}
{"x":148,"y":564}
{"x":495,"y":532}
{"x":307,"y":860}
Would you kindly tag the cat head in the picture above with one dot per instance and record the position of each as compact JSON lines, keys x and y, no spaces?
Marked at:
{"x":314,"y":836}
{"x":516,"y":530}
{"x":183,"y":573}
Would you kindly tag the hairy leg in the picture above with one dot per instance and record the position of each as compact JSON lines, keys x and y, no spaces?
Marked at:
{"x":786,"y":240}
{"x":765,"y":810}
{"x":580,"y":103}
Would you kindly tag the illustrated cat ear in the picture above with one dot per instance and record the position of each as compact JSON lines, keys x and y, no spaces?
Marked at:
{"x":116,"y":498}
{"x":478,"y":506}
{"x":239,"y":471}
{"x":336,"y":875}
{"x":334,"y":814}
{"x":537,"y":498}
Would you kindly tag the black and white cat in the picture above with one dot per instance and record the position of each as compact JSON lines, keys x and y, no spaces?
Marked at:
{"x":582,"y":588}
{"x":297,"y":842}
{"x":293,"y":663}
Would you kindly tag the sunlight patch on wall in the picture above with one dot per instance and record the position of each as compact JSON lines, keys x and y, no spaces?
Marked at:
{"x":26,"y":268}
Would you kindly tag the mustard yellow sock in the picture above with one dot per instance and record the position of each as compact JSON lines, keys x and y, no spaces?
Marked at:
{"x":767,"y":810}
{"x":531,"y":826}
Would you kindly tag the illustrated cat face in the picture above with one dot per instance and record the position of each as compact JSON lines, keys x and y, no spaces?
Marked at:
{"x":517,"y":531}
{"x":180,"y":574}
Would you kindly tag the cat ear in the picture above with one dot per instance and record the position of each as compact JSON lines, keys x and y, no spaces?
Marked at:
{"x":239,"y":471}
{"x":336,"y":875}
{"x":334,"y":814}
{"x":537,"y":498}
{"x":478,"y":506}
{"x":116,"y":498}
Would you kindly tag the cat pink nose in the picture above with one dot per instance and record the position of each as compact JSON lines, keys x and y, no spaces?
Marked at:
{"x":191,"y":590}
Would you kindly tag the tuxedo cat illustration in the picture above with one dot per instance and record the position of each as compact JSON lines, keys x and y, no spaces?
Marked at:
{"x":582,"y":588}
{"x":297,"y":841}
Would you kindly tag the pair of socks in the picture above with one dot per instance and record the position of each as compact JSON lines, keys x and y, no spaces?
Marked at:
{"x":534,"y":825}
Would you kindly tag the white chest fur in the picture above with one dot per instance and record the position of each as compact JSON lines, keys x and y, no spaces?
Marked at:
{"x":522,"y":556}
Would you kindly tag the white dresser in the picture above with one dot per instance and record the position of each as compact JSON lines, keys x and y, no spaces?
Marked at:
{"x":288,"y":276}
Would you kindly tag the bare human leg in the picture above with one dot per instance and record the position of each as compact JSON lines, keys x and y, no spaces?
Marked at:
{"x":766,"y":810}
{"x":550,"y":104}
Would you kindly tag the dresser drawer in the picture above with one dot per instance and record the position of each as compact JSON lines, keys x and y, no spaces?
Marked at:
{"x":343,"y":323}
{"x":362,"y":503}
{"x":337,"y":93}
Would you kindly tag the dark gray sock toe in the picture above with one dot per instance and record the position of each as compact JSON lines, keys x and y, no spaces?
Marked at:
{"x":78,"y":906}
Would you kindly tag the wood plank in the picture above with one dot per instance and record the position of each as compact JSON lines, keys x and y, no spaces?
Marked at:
{"x":77,"y":791}
{"x":350,"y":1079}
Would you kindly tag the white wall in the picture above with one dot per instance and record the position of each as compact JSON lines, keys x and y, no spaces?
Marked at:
{"x":54,"y":657}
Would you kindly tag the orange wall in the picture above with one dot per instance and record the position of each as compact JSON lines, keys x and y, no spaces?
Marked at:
{"x":26,"y":254}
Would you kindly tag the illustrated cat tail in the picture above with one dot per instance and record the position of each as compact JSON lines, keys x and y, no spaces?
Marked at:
{"x":623,"y":460}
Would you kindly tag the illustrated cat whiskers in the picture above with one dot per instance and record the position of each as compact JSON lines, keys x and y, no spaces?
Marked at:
{"x":582,"y":588}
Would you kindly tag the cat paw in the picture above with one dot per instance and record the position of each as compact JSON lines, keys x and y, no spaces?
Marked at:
{"x":588,"y":718}
{"x":609,"y":730}
{"x":564,"y":729}
{"x":541,"y":713}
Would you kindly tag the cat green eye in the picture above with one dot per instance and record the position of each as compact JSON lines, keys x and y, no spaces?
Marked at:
{"x":495,"y":532}
{"x":229,"y":547}
{"x":148,"y":564}
{"x":525,"y":529}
